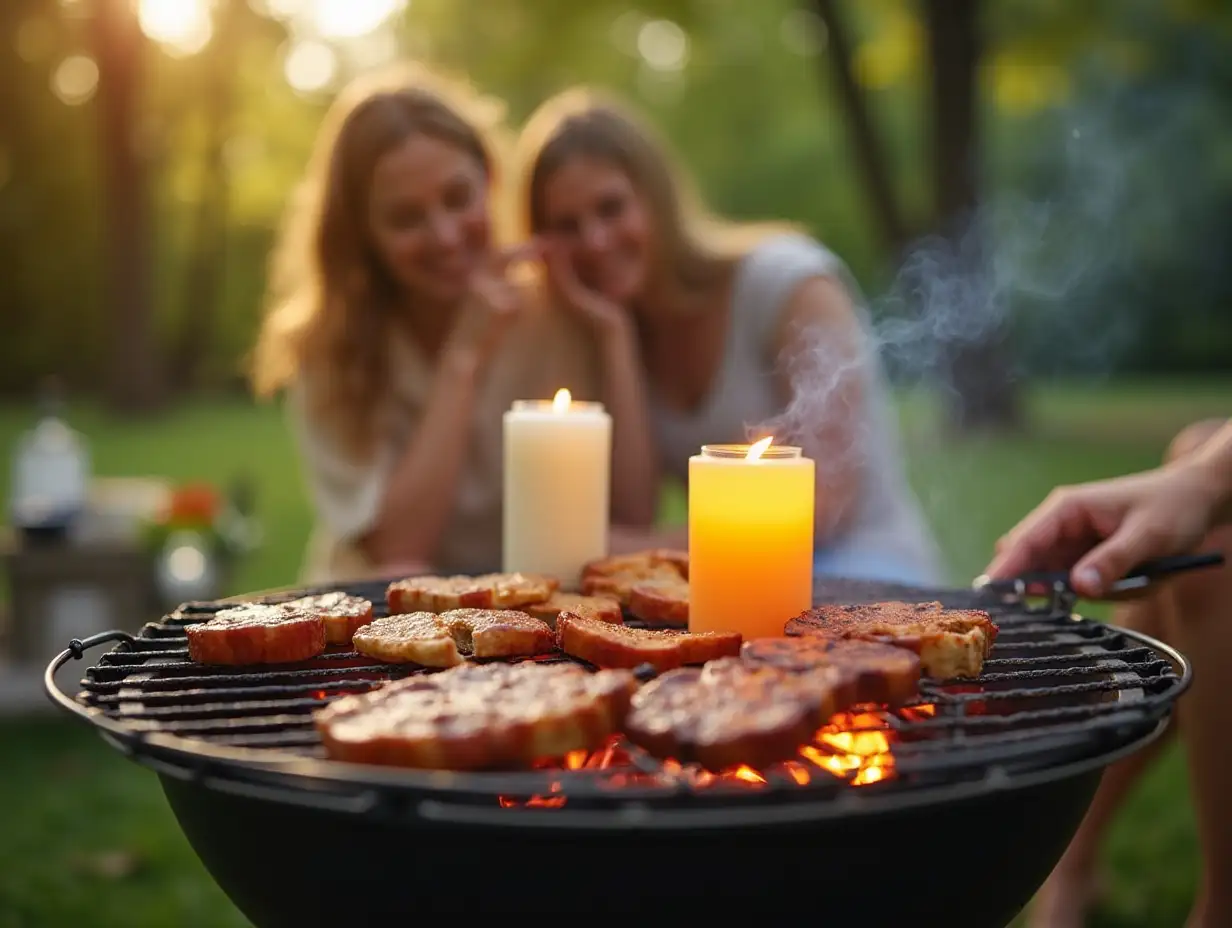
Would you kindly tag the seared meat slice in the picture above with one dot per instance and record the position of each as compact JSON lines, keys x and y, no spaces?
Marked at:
{"x":730,"y":712}
{"x":343,"y":614}
{"x":441,"y":640}
{"x":865,"y":672}
{"x":661,"y":602}
{"x":487,"y":591}
{"x":951,"y":643}
{"x":603,"y":608}
{"x":607,"y":645}
{"x":617,"y":576}
{"x":476,"y":717}
{"x":255,"y":633}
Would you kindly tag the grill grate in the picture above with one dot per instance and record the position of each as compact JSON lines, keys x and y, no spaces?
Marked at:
{"x":1056,"y":688}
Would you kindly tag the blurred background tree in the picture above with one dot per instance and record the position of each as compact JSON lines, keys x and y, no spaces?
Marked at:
{"x":147,"y":148}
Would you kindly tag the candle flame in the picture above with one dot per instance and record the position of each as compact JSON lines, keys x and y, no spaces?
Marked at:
{"x":757,"y":449}
{"x":561,"y":401}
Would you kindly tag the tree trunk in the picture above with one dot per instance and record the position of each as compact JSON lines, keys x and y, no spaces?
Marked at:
{"x":134,"y":382}
{"x":207,"y":248}
{"x":982,"y":393}
{"x":887,"y":213}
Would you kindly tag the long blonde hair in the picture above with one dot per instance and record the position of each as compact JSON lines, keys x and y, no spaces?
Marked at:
{"x":582,"y":122}
{"x":329,"y":299}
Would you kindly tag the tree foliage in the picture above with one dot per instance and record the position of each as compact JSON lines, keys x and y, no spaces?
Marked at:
{"x":752,"y":111}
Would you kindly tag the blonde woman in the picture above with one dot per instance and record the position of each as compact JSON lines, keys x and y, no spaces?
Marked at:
{"x":703,"y":325}
{"x":400,"y":332}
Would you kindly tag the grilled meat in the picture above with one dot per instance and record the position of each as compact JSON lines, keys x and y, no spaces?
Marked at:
{"x":255,"y":633}
{"x":498,"y":632}
{"x":863,"y":671}
{"x":617,"y":576}
{"x":622,"y":563}
{"x":343,"y":614}
{"x":607,"y":645}
{"x":730,"y":712}
{"x":441,"y":640}
{"x":409,"y":638}
{"x":476,"y":717}
{"x":603,"y":608}
{"x":951,"y":643}
{"x":488,"y":591}
{"x":661,"y":603}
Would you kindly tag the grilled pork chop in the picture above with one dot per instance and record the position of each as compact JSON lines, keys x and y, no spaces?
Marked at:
{"x":607,"y":645}
{"x":441,"y":640}
{"x":622,"y":563}
{"x":730,"y":712}
{"x":255,"y":633}
{"x":487,"y":591}
{"x":617,"y":576}
{"x":603,"y":608}
{"x":662,"y":602}
{"x":476,"y":717}
{"x":951,"y":643}
{"x":343,"y":614}
{"x":863,"y":671}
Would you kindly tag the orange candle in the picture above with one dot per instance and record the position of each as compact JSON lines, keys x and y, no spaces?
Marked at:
{"x":750,"y":538}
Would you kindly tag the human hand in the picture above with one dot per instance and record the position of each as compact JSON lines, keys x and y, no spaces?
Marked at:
{"x":605,"y":316}
{"x":492,"y":305}
{"x":1099,"y":531}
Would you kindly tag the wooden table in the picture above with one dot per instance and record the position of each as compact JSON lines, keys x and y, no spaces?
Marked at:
{"x":58,"y":592}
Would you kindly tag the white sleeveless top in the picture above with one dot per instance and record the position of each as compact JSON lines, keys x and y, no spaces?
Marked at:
{"x":887,"y":522}
{"x":544,"y":351}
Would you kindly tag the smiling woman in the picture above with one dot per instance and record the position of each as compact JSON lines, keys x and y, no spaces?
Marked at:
{"x":399,"y":330}
{"x":714,"y":329}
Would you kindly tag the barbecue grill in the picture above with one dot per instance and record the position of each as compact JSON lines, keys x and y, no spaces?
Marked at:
{"x":951,"y":810}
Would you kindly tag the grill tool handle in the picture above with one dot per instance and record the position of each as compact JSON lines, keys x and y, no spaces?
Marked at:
{"x":1138,"y":579}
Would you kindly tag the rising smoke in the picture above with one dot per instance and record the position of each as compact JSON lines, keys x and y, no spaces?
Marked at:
{"x":1052,"y":267}
{"x":1040,"y":265}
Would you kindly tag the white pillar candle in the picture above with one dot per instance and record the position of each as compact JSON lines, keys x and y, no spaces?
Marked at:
{"x":557,"y":475}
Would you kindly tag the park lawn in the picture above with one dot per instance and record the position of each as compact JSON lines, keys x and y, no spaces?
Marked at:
{"x":86,"y":837}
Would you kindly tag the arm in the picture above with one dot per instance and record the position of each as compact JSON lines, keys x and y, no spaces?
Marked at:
{"x":1213,"y":462}
{"x":420,"y":491}
{"x":1100,"y":530}
{"x":635,"y":470}
{"x":817,"y":342}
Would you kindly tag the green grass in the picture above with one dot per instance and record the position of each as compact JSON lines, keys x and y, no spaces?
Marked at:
{"x":87,"y":839}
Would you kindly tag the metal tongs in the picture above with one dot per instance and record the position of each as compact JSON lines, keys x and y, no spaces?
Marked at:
{"x":1056,"y":583}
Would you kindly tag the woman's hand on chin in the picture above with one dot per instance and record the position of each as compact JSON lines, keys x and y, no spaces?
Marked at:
{"x":606,"y":318}
{"x":492,"y":306}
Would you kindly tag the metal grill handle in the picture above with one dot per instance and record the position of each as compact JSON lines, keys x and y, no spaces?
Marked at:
{"x":76,"y":650}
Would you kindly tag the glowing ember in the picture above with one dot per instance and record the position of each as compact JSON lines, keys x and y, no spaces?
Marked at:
{"x":853,"y":746}
{"x":535,"y":802}
{"x":798,"y":772}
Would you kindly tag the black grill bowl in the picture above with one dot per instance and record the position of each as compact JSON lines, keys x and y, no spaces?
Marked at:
{"x":976,"y":861}
{"x":963,"y":837}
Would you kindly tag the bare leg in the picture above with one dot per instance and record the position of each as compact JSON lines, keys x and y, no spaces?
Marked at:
{"x":1200,"y":626}
{"x":1070,"y":889}
{"x":1063,"y":900}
